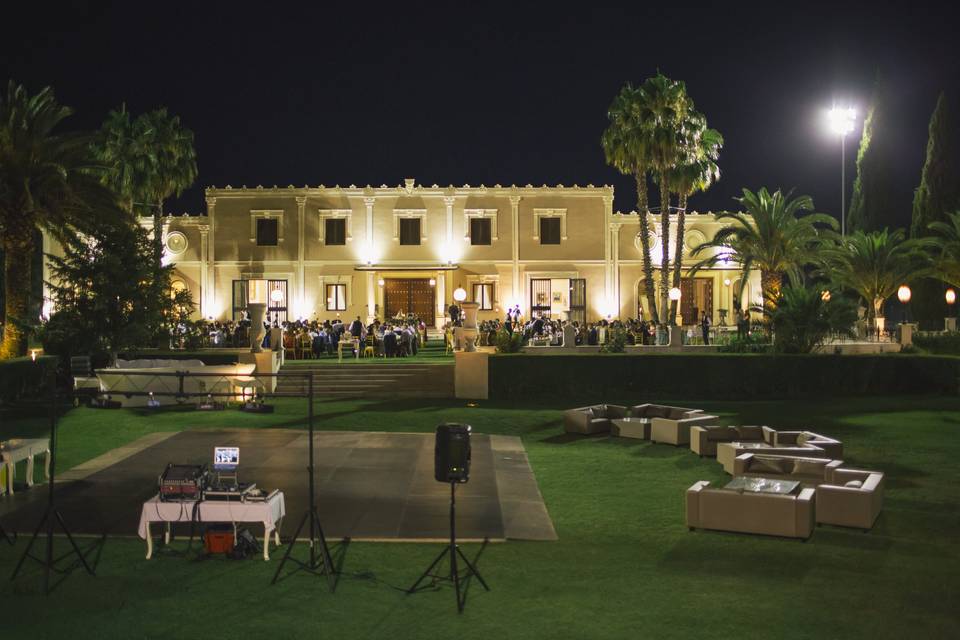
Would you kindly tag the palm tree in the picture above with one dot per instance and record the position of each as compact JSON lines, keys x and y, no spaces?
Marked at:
{"x":175,"y":167}
{"x":946,"y":242}
{"x":663,"y":113}
{"x":48,"y":180}
{"x":698,"y":173}
{"x":775,"y":233}
{"x":625,"y":147}
{"x":151,"y":159}
{"x":874,"y":265}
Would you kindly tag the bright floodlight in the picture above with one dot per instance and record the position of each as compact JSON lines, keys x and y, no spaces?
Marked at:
{"x":842,"y":120}
{"x":904,"y":294}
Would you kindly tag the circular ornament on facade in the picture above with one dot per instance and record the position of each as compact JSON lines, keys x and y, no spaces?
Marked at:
{"x":176,"y":242}
{"x":694,"y":238}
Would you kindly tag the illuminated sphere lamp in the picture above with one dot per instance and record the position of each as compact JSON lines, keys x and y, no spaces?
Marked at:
{"x":726,"y":282}
{"x":674,"y":294}
{"x":904,"y":294}
{"x":460,"y":294}
{"x":950,"y":296}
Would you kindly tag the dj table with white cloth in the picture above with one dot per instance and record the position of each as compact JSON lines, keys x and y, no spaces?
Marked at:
{"x":269,"y":513}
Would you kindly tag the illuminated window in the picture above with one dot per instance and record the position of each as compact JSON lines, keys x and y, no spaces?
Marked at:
{"x":336,"y":297}
{"x":483,"y":294}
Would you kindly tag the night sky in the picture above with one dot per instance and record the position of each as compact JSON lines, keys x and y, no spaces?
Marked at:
{"x":470,"y":93}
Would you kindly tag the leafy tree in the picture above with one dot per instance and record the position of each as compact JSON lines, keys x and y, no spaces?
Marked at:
{"x":151,"y":158}
{"x":49,"y":181}
{"x":110,"y":295}
{"x":874,"y":265}
{"x":626,"y":148}
{"x":873,"y":204}
{"x":802,"y":319}
{"x":775,"y":233}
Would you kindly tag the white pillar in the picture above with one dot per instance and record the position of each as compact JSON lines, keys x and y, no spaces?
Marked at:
{"x":615,"y":240}
{"x":301,"y":305}
{"x":515,"y":246}
{"x":607,"y":262}
{"x":371,"y":296}
{"x":210,"y":294}
{"x":368,"y":203}
{"x":449,"y":201}
{"x":204,"y":301}
{"x":441,"y":299}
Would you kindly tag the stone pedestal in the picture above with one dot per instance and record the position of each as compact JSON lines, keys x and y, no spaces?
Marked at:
{"x":469,"y":310}
{"x":266,"y":362}
{"x":257,"y":313}
{"x":906,"y":334}
{"x":949,"y":324}
{"x":676,"y":336}
{"x":470,"y":375}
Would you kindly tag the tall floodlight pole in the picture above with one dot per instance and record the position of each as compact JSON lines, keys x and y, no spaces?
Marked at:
{"x":841,"y":123}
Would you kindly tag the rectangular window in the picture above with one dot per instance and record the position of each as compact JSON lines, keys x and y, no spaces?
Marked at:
{"x":410,"y":231}
{"x":483,"y":294}
{"x":549,"y":230}
{"x":267,"y":229}
{"x":335,"y":231}
{"x":480,"y":231}
{"x":336,"y":297}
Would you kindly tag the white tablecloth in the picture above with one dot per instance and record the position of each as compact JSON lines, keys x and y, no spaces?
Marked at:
{"x":268,"y":513}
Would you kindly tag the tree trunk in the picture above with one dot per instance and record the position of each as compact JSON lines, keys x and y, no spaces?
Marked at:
{"x":665,"y":249}
{"x":643,"y":209}
{"x":678,"y":255}
{"x":17,"y":269}
{"x":158,"y":234}
{"x":770,"y":284}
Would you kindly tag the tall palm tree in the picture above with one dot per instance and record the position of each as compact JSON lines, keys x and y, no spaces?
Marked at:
{"x":625,"y":146}
{"x":663,"y":113}
{"x":874,"y":265}
{"x":774,"y":233}
{"x":946,"y":242}
{"x":175,"y":166}
{"x":125,"y":147}
{"x":48,"y":180}
{"x":698,"y":172}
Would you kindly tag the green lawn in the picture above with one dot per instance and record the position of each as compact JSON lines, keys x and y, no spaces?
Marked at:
{"x":625,"y":565}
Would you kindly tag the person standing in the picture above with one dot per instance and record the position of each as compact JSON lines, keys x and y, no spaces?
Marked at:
{"x":705,"y":326}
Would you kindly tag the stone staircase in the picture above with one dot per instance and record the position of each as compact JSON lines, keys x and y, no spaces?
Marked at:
{"x":428,"y":375}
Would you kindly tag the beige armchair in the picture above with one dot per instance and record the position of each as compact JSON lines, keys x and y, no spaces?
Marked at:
{"x":748,"y":512}
{"x":592,"y":419}
{"x":832,"y":447}
{"x":705,"y":438}
{"x":676,"y":431}
{"x":852,"y":498}
{"x":811,"y":471}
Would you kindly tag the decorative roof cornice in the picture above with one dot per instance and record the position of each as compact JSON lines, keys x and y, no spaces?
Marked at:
{"x":409,"y":189}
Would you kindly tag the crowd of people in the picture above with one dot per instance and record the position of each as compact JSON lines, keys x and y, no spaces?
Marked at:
{"x":394,"y":338}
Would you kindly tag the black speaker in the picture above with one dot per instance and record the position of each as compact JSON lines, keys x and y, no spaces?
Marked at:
{"x":451,"y":454}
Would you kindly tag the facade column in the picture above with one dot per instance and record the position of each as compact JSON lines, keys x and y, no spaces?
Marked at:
{"x":368,"y":202}
{"x":205,"y":309}
{"x":300,"y":306}
{"x":607,"y":261}
{"x":210,"y":294}
{"x":371,"y":297}
{"x":449,"y":255}
{"x":615,"y":239}
{"x":441,"y":299}
{"x":515,"y":248}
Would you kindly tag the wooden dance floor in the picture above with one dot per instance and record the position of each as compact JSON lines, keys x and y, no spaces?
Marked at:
{"x":375,"y":486}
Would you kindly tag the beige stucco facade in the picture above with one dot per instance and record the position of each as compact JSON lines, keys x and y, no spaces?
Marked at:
{"x":598,"y":249}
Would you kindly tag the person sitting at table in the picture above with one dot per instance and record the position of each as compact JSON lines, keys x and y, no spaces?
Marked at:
{"x":389,"y":342}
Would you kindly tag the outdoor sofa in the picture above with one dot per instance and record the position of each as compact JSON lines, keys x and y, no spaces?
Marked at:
{"x":748,"y":512}
{"x":852,"y":498}
{"x":704,"y":438}
{"x":592,"y":419}
{"x":675,"y":430}
{"x":809,"y":471}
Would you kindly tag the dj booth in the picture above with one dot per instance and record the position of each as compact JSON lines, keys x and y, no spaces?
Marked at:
{"x":269,"y":513}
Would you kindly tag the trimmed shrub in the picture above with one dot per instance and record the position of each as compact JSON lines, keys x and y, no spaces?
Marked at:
{"x":939,"y":343}
{"x":24,"y":378}
{"x":644,"y":378}
{"x":509,"y":342}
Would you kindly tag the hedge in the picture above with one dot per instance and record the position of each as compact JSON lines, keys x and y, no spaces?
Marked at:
{"x":938,"y":343}
{"x":24,"y":378}
{"x":638,"y":378}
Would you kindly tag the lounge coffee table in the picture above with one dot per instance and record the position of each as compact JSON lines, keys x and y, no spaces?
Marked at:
{"x":638,"y":428}
{"x":762,"y":485}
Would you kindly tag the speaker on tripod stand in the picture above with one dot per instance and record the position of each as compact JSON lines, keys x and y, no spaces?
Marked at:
{"x":451,"y":464}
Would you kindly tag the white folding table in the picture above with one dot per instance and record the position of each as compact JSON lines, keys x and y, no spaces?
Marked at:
{"x":269,"y":513}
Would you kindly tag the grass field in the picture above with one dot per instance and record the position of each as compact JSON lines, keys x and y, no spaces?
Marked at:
{"x":625,"y":565}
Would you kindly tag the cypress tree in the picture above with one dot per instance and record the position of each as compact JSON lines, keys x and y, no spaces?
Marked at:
{"x":939,"y":190}
{"x":872,"y":207}
{"x":937,"y":195}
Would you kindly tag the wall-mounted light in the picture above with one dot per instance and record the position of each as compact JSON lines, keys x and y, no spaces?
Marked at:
{"x":726,"y":282}
{"x":381,"y":282}
{"x":433,"y":282}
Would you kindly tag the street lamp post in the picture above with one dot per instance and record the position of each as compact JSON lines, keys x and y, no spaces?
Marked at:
{"x":841,"y":123}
